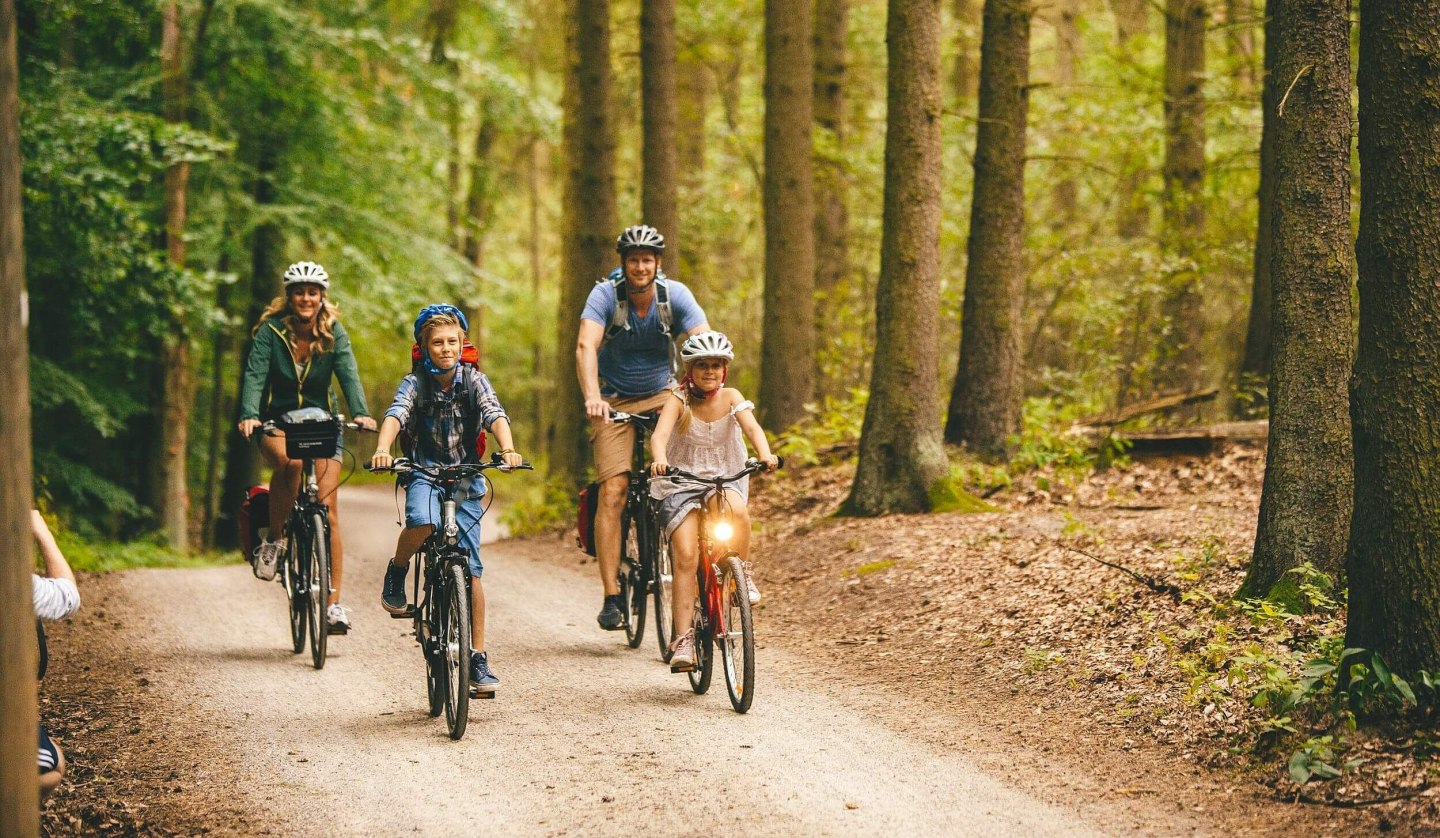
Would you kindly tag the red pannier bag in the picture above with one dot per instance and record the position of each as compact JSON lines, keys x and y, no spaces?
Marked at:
{"x":254,"y":517}
{"x":589,"y":499}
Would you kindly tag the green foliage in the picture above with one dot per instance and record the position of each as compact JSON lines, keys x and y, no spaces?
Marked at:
{"x":830,"y":427}
{"x":538,"y":507}
{"x":98,"y":555}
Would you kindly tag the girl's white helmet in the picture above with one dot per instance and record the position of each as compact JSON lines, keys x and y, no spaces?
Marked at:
{"x":308,"y":273}
{"x":707,"y":345}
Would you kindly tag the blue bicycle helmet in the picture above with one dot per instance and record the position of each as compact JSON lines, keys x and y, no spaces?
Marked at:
{"x":439,"y":308}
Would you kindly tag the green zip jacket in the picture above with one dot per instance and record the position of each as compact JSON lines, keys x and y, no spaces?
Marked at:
{"x":275,"y":383}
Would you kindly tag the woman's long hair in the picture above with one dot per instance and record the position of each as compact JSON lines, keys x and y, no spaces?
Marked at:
{"x":324,"y":321}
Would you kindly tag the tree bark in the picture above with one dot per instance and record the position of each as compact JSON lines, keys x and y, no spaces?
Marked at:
{"x":1131,"y":21}
{"x":1307,"y":498}
{"x":589,"y":209}
{"x":19,"y":791}
{"x":787,"y":358}
{"x":1255,"y":361}
{"x":1065,"y":197}
{"x":901,"y":456}
{"x":985,"y":401}
{"x":1180,"y":365}
{"x":1393,"y":561}
{"x":693,"y":86}
{"x":831,"y":217}
{"x":965,"y":76}
{"x":659,"y":189}
{"x":1240,"y":37}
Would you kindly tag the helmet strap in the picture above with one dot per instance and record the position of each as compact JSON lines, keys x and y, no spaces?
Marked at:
{"x":694,"y":389}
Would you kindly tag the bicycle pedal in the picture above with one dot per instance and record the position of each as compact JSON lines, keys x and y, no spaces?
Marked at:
{"x":475,"y":693}
{"x":335,"y":631}
{"x":407,"y":614}
{"x":683,"y":668}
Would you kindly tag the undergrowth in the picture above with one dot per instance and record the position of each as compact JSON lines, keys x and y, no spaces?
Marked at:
{"x":102,"y":556}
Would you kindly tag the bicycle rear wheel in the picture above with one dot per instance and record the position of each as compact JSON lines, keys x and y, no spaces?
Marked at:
{"x":632,"y":590}
{"x":663,"y":579}
{"x":704,"y":659}
{"x":736,"y":634}
{"x":319,"y":540}
{"x":455,"y":638}
{"x":295,"y":589}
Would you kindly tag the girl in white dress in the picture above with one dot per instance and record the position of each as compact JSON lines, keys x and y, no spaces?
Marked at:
{"x":703,"y":431}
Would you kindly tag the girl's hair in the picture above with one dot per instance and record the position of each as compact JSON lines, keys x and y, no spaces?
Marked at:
{"x":325,"y":320}
{"x":436,"y":321}
{"x":683,"y":423}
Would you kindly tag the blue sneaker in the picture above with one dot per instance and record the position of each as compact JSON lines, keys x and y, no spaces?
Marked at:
{"x":482,"y":680}
{"x":392,"y":594}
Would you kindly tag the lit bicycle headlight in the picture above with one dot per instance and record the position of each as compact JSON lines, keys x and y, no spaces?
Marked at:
{"x":724,"y":531}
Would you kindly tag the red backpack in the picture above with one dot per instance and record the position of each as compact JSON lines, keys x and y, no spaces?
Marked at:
{"x":474,"y":432}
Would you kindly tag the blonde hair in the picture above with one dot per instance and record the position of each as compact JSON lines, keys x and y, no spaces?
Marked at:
{"x":325,"y":320}
{"x":683,"y":423}
{"x":434,"y":322}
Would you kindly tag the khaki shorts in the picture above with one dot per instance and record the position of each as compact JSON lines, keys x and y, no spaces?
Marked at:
{"x":613,"y":441}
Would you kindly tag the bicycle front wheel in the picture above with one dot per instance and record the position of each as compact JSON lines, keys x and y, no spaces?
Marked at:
{"x":736,"y":634}
{"x":632,"y":589}
{"x":319,"y":540}
{"x":663,"y":578}
{"x":294,"y":571}
{"x":455,"y":636}
{"x":704,"y":659}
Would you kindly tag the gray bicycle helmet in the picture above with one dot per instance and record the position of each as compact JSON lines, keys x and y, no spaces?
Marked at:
{"x":307,"y":273}
{"x":640,"y":236}
{"x":706,"y":345}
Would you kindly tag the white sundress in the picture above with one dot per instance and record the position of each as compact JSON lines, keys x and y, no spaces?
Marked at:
{"x":709,"y":449}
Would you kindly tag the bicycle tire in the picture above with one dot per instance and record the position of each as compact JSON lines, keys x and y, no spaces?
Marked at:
{"x":704,"y":660}
{"x":632,"y":593}
{"x":319,"y":538}
{"x":737,"y":653}
{"x":455,"y":641}
{"x":425,"y":634}
{"x":663,"y":579}
{"x":294,"y":587}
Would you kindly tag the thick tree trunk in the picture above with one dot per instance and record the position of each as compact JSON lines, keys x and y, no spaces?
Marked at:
{"x":1181,"y":363}
{"x":831,"y":218}
{"x":1306,"y":502}
{"x":1131,"y":21}
{"x":901,"y":456}
{"x":787,"y":358}
{"x":1393,"y":562}
{"x":19,"y":791}
{"x":589,"y":209}
{"x":1255,"y":362}
{"x":985,"y":402}
{"x":659,"y":190}
{"x":173,"y":500}
{"x":965,"y":76}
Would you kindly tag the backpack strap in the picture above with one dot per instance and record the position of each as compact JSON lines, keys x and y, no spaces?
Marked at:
{"x":620,"y":320}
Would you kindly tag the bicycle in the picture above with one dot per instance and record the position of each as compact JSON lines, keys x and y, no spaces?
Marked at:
{"x":311,"y":434}
{"x":442,"y":617}
{"x":724,"y":612}
{"x":640,"y":575}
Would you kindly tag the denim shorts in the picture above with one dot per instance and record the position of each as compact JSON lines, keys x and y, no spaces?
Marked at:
{"x":422,"y":508}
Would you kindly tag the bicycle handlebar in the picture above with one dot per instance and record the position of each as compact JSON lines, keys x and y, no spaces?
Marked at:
{"x":455,"y":472}
{"x":646,"y":420}
{"x":269,"y":425}
{"x":752,"y":466}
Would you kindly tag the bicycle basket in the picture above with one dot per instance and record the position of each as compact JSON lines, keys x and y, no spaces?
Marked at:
{"x":310,"y":433}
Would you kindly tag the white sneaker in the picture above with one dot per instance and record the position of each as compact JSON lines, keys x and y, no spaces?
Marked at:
{"x":682,"y":651}
{"x":750,"y":584}
{"x":337,"y":617}
{"x":267,"y":558}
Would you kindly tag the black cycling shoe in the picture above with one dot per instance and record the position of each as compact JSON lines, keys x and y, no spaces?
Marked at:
{"x":392,"y":595}
{"x":611,"y":616}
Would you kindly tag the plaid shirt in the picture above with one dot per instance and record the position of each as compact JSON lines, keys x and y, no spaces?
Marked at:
{"x":441,"y":432}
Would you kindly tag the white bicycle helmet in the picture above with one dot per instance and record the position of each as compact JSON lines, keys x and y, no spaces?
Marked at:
{"x":707,"y":345}
{"x":640,"y":236}
{"x":308,"y":273}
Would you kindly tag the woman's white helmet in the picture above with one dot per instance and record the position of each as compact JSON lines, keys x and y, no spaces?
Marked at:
{"x":707,"y":345}
{"x":308,"y":273}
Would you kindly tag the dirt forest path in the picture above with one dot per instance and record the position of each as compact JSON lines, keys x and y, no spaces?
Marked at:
{"x":587,"y":737}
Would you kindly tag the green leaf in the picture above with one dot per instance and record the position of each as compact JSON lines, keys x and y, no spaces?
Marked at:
{"x":1323,"y":770}
{"x":1318,"y":669}
{"x":1300,"y":768}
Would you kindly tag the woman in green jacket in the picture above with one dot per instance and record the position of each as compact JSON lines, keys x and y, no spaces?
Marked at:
{"x":298,"y":345}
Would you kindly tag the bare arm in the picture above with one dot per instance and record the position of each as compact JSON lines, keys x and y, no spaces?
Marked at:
{"x":389,"y":429}
{"x":501,"y":427}
{"x":660,"y":439}
{"x":55,"y":565}
{"x":703,"y":327}
{"x":587,"y":369}
{"x":753,"y":432}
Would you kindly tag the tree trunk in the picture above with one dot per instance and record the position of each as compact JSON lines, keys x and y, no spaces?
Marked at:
{"x":965,"y":77}
{"x":1131,"y":21}
{"x":693,"y":109}
{"x":1255,"y":362}
{"x":1240,"y":37}
{"x":538,"y":424}
{"x":902,"y":459}
{"x":831,"y":218}
{"x":985,"y":402}
{"x":1065,"y":197}
{"x":1393,"y":562}
{"x":440,"y":25}
{"x":787,"y":358}
{"x":173,"y":505}
{"x":1307,"y":498}
{"x":658,"y":199}
{"x":19,"y":792}
{"x":477,"y":222}
{"x":589,"y":209}
{"x":219,"y":354}
{"x":1180,"y":365}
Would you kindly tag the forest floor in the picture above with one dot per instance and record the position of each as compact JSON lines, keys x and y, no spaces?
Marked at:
{"x":979,"y":637}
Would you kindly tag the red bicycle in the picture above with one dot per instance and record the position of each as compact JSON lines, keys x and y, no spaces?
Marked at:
{"x":724,"y":616}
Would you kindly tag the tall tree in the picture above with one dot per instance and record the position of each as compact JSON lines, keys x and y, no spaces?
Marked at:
{"x":831,"y":218}
{"x":965,"y":75}
{"x":477,"y":220}
{"x":1240,"y":40}
{"x":173,"y":490}
{"x":985,"y":402}
{"x":1306,"y":502}
{"x":1132,"y":20}
{"x":1393,"y":563}
{"x":1065,"y":196}
{"x":901,"y":456}
{"x":659,"y":190}
{"x":1255,"y":360}
{"x":589,"y":208}
{"x":1181,"y":363}
{"x":787,"y":358}
{"x":19,"y":791}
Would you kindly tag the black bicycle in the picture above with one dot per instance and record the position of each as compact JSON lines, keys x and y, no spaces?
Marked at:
{"x":644,"y":571}
{"x":441,"y":591}
{"x":311,"y":434}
